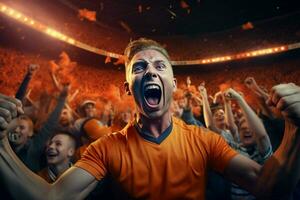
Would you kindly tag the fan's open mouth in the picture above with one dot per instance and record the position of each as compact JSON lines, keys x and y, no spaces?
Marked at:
{"x":152,"y":94}
{"x":13,"y":137}
{"x":51,"y":154}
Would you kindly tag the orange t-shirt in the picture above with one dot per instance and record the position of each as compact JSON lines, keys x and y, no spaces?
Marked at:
{"x":173,"y":167}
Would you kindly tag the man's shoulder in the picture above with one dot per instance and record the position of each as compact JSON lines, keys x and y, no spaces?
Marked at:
{"x":117,"y":136}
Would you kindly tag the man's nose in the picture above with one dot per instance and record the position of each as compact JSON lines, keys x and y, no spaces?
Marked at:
{"x":17,"y":130}
{"x":151,"y":72}
{"x":51,"y":146}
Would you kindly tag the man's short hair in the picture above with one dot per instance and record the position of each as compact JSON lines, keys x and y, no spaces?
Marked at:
{"x":74,"y":139}
{"x":142,"y":44}
{"x":215,"y":107}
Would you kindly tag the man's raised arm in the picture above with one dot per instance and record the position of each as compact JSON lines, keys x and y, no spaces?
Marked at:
{"x":277,"y":178}
{"x":22,"y":183}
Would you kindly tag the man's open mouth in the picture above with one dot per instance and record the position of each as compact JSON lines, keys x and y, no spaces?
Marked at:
{"x":248,"y":135}
{"x":51,"y":154}
{"x":13,"y":137}
{"x":220,"y":119}
{"x":152,"y":94}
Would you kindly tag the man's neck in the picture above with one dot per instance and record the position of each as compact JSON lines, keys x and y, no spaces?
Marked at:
{"x":154,"y":127}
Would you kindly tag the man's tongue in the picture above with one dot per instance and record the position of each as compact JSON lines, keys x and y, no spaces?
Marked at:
{"x":152,"y":100}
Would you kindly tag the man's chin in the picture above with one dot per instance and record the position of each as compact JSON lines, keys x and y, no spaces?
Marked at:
{"x":52,"y":161}
{"x":248,"y":143}
{"x":154,"y":114}
{"x":64,"y":123}
{"x":15,"y":143}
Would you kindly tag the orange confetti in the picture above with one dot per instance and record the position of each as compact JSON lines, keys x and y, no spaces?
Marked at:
{"x":87,"y":14}
{"x":125,"y":26}
{"x":184,"y":5}
{"x":247,"y":26}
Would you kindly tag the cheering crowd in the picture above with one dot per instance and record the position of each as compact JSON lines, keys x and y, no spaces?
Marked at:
{"x":167,"y":142}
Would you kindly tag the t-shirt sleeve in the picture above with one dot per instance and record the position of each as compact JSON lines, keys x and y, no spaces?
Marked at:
{"x":220,"y":152}
{"x":93,"y":160}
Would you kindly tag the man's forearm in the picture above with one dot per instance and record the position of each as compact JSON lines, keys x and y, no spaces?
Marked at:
{"x":21,"y":182}
{"x":281,"y":171}
{"x":256,"y":126}
{"x":49,"y":127}
{"x":208,"y":118}
{"x":23,"y":87}
{"x":230,"y":120}
{"x":258,"y":91}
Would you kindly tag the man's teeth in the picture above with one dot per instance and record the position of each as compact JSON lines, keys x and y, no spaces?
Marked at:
{"x":149,"y":87}
{"x":14,"y":136}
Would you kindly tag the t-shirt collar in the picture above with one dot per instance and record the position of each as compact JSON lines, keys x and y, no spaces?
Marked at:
{"x":147,"y":136}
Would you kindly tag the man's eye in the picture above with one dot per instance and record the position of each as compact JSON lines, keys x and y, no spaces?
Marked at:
{"x":139,"y":66}
{"x":160,"y":66}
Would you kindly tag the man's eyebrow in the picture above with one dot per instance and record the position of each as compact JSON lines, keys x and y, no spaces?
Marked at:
{"x":158,"y":61}
{"x":140,"y":60}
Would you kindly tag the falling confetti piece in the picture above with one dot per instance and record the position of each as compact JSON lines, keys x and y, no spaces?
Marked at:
{"x":184,"y":5}
{"x":247,"y":26}
{"x":171,"y":12}
{"x":87,"y":14}
{"x":101,"y":6}
{"x":125,"y":26}
{"x":140,"y":8}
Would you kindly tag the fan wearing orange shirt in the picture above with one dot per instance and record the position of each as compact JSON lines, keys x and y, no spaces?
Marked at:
{"x":170,"y":166}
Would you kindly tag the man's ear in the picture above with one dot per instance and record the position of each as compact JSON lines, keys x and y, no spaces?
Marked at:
{"x":174,"y":84}
{"x":30,"y":134}
{"x":71,"y":152}
{"x":126,"y":86}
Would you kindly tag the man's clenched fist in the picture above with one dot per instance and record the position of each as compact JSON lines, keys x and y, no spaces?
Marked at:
{"x":286,"y":98}
{"x":9,"y":109}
